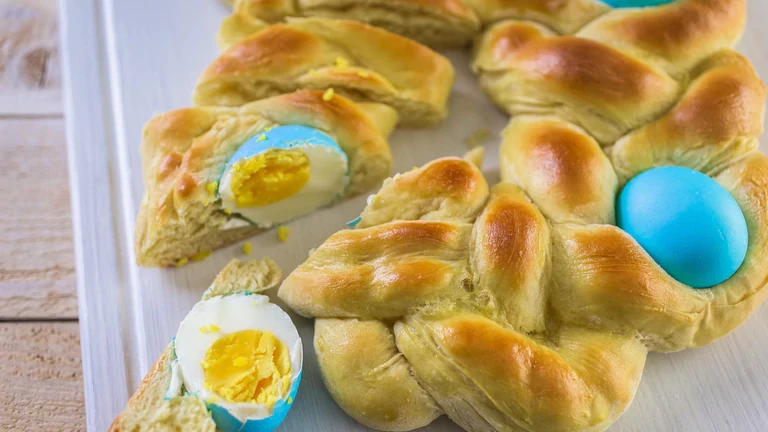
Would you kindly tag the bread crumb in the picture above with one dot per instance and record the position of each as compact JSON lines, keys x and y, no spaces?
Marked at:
{"x":262,"y":137}
{"x":282,"y":233}
{"x":181,"y":262}
{"x":211,"y":187}
{"x":363,"y":74}
{"x":328,"y":95}
{"x":341,"y":62}
{"x":201,"y":255}
{"x":247,"y":248}
{"x":477,"y":138}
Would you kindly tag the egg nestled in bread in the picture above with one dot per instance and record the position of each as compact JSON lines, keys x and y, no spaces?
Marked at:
{"x":283,"y":173}
{"x":241,"y":355}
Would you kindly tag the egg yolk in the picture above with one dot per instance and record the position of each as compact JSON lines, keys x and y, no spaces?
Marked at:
{"x":249,"y":366}
{"x":269,"y":177}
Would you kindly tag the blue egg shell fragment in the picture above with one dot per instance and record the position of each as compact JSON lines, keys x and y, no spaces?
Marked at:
{"x":353,"y":223}
{"x":635,"y":3}
{"x":283,"y":137}
{"x":226,"y":422}
{"x":689,"y":224}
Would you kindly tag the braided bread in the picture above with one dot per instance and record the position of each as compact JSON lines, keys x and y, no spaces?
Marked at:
{"x":525,"y":308}
{"x":359,"y":61}
{"x":506,"y":318}
{"x":370,"y":80}
{"x":436,"y":23}
{"x":185,"y":151}
{"x":518,"y":307}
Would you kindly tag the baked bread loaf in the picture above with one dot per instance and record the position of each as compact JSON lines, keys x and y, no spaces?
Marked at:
{"x":527,"y":308}
{"x":149,"y":409}
{"x":621,"y":71}
{"x":362,"y":62}
{"x":436,"y":23}
{"x":507,"y":310}
{"x":184,"y":153}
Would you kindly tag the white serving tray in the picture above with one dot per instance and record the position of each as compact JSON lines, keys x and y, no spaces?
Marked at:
{"x":125,"y":60}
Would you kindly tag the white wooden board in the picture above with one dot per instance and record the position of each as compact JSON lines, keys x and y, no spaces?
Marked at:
{"x":127,"y":60}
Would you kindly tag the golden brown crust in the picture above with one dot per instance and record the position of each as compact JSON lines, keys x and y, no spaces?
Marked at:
{"x":488,"y":377}
{"x":444,"y":189}
{"x":369,"y":278}
{"x":679,"y":34}
{"x":184,"y":151}
{"x":525,"y":70}
{"x":564,"y":16}
{"x":357,"y":60}
{"x":717,"y":121}
{"x":365,"y":373}
{"x":561,"y":168}
{"x":509,"y":258}
{"x":437,"y":23}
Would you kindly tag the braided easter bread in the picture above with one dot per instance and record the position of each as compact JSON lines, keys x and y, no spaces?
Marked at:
{"x":501,"y":315}
{"x":185,"y":151}
{"x":526,"y":308}
{"x":437,"y":23}
{"x":359,"y":61}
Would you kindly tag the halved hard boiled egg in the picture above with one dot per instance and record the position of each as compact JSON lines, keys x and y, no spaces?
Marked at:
{"x":242,"y":355}
{"x":283,"y":173}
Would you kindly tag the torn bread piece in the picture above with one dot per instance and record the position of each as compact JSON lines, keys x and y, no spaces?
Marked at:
{"x":235,"y":363}
{"x":214,"y":176}
{"x":356,"y":60}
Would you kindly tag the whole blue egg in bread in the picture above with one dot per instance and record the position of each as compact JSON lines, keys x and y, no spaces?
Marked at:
{"x":689,"y":224}
{"x":635,"y":3}
{"x":282,"y":173}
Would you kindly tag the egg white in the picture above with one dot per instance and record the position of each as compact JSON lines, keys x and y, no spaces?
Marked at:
{"x":328,"y":180}
{"x":231,"y":314}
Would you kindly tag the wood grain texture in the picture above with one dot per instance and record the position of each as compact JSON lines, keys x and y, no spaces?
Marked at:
{"x":30,"y":76}
{"x":40,"y":377}
{"x":37,"y":275}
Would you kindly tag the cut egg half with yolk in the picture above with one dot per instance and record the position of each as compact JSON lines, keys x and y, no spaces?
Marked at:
{"x":242,"y":355}
{"x":282,"y":173}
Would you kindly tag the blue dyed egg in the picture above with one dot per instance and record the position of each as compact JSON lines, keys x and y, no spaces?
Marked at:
{"x":283,"y":173}
{"x":635,"y":3}
{"x":285,"y":137}
{"x":687,"y":222}
{"x":226,"y":422}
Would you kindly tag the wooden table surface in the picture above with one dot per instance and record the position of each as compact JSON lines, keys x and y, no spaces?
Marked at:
{"x":40,"y":375}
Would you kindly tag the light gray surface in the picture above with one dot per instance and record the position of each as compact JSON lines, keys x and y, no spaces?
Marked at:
{"x":127,"y":60}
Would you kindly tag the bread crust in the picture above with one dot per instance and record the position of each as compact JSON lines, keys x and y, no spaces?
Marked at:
{"x":362,"y":62}
{"x":436,"y":23}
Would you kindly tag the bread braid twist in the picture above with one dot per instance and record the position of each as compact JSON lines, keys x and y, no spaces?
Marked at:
{"x":525,"y":308}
